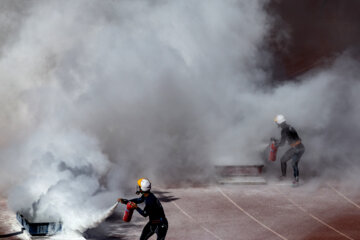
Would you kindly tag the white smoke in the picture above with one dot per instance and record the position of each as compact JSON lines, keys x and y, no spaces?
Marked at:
{"x":99,"y":93}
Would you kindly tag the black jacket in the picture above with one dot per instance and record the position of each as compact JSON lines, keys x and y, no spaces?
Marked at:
{"x":153,"y":207}
{"x":288,"y":133}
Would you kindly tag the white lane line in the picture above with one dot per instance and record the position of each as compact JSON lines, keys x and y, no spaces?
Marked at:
{"x":311,"y":215}
{"x":185,"y":213}
{"x":251,"y":216}
{"x":343,"y":196}
{"x":193,"y":220}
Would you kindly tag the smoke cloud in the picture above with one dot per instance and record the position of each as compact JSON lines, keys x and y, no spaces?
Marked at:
{"x":96,"y":94}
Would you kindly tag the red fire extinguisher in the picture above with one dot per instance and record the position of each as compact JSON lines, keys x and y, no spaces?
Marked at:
{"x":273,"y":150}
{"x":128,"y":211}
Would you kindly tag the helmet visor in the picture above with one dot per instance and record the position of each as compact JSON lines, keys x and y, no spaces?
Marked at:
{"x":138,"y":190}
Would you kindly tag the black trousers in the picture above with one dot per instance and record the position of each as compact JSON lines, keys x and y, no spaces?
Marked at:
{"x":294,"y":154}
{"x":159,"y":228}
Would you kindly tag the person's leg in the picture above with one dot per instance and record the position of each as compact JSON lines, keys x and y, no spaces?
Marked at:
{"x":161,"y":232}
{"x":295,"y":161}
{"x":162,"y":229}
{"x":147,"y":232}
{"x":286,"y":157}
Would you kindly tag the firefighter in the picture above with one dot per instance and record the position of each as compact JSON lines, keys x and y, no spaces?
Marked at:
{"x":157,"y":221}
{"x":297,"y":149}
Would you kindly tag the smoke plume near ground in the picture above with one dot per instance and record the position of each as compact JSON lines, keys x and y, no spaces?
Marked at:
{"x":96,"y":94}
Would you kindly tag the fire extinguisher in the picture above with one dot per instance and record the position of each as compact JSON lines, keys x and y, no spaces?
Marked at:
{"x":128,"y":212}
{"x":273,"y":150}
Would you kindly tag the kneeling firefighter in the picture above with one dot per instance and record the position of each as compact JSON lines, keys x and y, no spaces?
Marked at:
{"x":157,"y":221}
{"x":289,"y":134}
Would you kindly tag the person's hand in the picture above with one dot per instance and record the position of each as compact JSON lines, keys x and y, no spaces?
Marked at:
{"x":273,"y":139}
{"x":123,"y":201}
{"x":133,"y":205}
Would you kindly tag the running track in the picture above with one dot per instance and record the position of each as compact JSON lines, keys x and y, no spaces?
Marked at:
{"x":224,"y":212}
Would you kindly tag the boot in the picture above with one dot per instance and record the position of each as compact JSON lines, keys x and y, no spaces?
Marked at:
{"x":296,"y":182}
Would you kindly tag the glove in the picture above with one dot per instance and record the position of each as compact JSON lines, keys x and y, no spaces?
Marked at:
{"x":123,"y":201}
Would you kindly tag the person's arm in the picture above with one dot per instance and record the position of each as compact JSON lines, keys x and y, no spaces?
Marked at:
{"x":138,"y":200}
{"x":143,"y":213}
{"x":134,"y":200}
{"x":282,"y":140}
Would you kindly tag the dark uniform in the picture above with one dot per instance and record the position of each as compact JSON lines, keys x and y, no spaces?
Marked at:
{"x":288,"y":133}
{"x":157,"y":221}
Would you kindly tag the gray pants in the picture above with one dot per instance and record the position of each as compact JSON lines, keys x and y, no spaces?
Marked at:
{"x":294,"y":154}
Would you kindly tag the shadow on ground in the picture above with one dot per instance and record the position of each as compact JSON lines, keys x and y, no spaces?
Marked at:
{"x":7,"y":235}
{"x":164,"y":197}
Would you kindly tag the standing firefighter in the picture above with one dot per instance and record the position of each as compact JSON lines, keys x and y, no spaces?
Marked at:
{"x":289,"y":134}
{"x":157,"y":221}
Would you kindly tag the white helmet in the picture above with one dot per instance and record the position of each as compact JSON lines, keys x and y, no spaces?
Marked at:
{"x":279,"y":119}
{"x":144,"y":184}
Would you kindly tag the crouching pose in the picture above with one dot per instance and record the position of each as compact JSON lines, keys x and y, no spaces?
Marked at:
{"x":157,"y":221}
{"x":289,"y":134}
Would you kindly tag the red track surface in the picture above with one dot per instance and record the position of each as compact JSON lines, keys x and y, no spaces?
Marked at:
{"x":272,"y":211}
